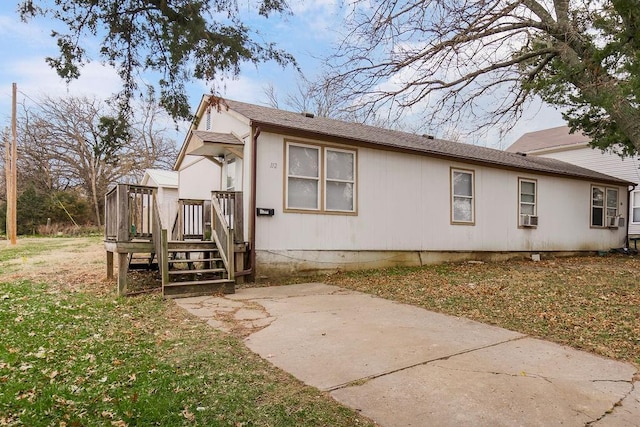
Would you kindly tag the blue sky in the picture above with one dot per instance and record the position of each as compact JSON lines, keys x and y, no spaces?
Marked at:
{"x":308,"y":34}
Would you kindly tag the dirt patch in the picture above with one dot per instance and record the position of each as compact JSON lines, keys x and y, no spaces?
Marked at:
{"x":74,"y":264}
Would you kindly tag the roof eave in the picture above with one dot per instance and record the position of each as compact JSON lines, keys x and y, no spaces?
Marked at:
{"x":266,"y":126}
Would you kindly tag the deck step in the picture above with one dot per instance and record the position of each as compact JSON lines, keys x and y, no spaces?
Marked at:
{"x":139,"y":261}
{"x":193,"y":250}
{"x":182,"y":246}
{"x":179,"y":260}
{"x":198,"y":271}
{"x":198,"y":288}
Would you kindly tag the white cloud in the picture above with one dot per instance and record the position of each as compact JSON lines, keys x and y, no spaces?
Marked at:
{"x":35,"y":77}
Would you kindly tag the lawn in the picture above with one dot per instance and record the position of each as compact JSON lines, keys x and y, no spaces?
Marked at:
{"x":590,"y":303}
{"x":74,"y":354}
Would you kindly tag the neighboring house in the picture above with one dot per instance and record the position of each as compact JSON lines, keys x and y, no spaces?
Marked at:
{"x":166,"y":183}
{"x":558,"y":143}
{"x":325,"y":194}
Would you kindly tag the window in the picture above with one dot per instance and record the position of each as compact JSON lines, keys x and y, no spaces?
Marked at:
{"x":604,"y":205}
{"x":326,"y":188}
{"x":340,"y":180}
{"x":303,"y":180}
{"x":635,"y":203}
{"x":528,"y":204}
{"x":208,"y":122}
{"x":612,"y":203}
{"x":462,"y":203}
{"x":231,"y":174}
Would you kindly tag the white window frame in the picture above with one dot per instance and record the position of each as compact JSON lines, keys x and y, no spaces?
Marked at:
{"x":322,"y":179}
{"x":472,"y":197}
{"x":520,"y":202}
{"x":605,"y":208}
{"x":344,"y":181}
{"x":635,"y":204}
{"x":318,"y":179}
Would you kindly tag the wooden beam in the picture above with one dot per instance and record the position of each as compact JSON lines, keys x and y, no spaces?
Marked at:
{"x":7,"y":181}
{"x":235,"y":151}
{"x":123,"y":213}
{"x":14,"y":164}
{"x":123,"y":268}
{"x":109,"y":265}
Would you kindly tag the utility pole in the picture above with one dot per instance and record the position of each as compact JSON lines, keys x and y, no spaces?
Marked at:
{"x":7,"y":178}
{"x":11,"y":154}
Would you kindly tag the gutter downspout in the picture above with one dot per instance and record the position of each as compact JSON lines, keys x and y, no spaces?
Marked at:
{"x":252,"y":203}
{"x":630,"y":189}
{"x":252,"y":209}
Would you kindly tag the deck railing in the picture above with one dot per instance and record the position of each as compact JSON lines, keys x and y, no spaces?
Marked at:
{"x":223,"y":235}
{"x":230,"y":203}
{"x":191,"y":220}
{"x":129,"y":213}
{"x":160,"y":243}
{"x":111,"y":214}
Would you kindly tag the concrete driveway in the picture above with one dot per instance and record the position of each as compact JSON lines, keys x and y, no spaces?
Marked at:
{"x":404,"y":366}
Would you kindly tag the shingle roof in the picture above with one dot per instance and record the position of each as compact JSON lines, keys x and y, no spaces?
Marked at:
{"x":547,"y":138}
{"x":221,"y":138}
{"x":385,"y":138}
{"x":163,"y":178}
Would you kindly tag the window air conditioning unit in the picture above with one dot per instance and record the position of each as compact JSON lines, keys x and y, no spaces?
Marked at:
{"x":621,"y":222}
{"x":615,"y":222}
{"x":529,"y":220}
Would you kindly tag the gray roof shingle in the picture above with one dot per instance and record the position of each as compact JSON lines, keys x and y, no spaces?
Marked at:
{"x":547,"y":138}
{"x":390,"y":139}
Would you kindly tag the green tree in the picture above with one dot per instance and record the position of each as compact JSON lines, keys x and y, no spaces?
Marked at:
{"x":68,"y":207}
{"x":178,"y":39}
{"x":81,"y":144}
{"x":485,"y":59}
{"x":31,"y":210}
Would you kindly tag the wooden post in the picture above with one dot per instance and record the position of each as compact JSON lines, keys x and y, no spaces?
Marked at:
{"x":239,"y":262}
{"x":164,"y":267}
{"x":7,"y":181}
{"x":11,"y":154}
{"x":231,"y":254}
{"x":238,"y":217}
{"x":123,"y":213}
{"x":123,"y":267}
{"x":109,"y":265}
{"x":14,"y":172}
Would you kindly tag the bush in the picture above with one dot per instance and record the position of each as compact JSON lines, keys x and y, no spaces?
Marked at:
{"x":51,"y":214}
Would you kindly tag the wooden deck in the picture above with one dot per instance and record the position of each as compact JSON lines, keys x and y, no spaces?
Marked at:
{"x":196,"y":254}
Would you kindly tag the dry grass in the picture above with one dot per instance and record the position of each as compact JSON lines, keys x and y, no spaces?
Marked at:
{"x":74,"y":354}
{"x":590,"y":303}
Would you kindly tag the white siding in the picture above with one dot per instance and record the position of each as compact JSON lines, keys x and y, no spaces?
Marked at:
{"x":168,"y":205}
{"x":607,"y":163}
{"x":404,"y":205}
{"x":198,"y":177}
{"x":403,"y":208}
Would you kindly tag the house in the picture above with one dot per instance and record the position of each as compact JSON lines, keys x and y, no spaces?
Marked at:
{"x":166,"y":183}
{"x":326,"y":194}
{"x":558,"y":143}
{"x":298,"y":193}
{"x":197,"y":174}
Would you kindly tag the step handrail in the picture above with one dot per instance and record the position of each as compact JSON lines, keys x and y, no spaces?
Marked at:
{"x":160,"y":243}
{"x":223,"y":235}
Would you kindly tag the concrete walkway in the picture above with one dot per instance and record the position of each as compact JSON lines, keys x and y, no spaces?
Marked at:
{"x":404,"y":366}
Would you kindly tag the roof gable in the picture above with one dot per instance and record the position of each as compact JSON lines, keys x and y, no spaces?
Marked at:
{"x":547,"y":139}
{"x":162,"y":178}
